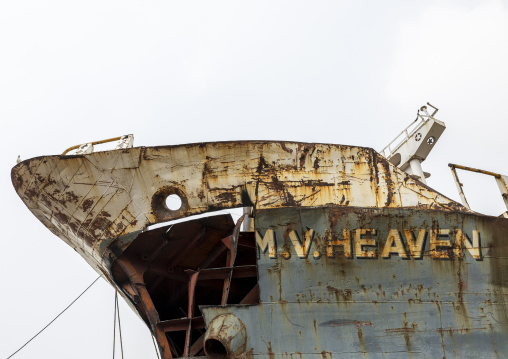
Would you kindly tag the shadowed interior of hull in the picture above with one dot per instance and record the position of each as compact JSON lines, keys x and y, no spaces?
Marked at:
{"x":180,"y":267}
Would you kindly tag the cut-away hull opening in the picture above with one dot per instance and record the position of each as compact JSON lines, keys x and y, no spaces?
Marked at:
{"x":170,"y":271}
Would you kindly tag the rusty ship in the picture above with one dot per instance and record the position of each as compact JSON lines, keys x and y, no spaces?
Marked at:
{"x":342,"y":252}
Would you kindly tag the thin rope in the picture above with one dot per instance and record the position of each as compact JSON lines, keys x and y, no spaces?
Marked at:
{"x":119,"y":323}
{"x":114,"y":327}
{"x":63,"y":311}
{"x":155,"y":346}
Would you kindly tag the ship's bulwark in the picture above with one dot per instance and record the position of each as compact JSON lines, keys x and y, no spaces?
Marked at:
{"x":91,"y":200}
{"x":350,"y":256}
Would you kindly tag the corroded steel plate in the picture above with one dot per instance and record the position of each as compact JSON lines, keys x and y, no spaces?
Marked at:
{"x":350,"y":282}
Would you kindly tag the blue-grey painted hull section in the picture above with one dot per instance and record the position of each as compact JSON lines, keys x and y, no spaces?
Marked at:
{"x":321,"y":303}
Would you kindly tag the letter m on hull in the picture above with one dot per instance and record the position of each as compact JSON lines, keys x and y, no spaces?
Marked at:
{"x":267,"y":242}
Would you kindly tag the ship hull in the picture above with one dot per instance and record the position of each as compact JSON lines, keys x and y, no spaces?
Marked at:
{"x":345,"y":255}
{"x":442,"y":299}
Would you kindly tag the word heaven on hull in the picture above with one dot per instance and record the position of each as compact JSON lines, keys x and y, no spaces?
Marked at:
{"x":369,"y":243}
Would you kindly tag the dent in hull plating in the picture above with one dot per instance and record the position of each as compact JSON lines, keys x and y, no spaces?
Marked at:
{"x":349,"y":257}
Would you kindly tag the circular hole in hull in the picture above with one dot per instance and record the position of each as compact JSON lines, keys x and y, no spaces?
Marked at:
{"x":173,"y":202}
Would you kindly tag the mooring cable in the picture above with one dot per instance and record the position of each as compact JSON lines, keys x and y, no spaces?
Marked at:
{"x":114,"y":325}
{"x":155,"y":346}
{"x":63,"y":311}
{"x":119,"y":323}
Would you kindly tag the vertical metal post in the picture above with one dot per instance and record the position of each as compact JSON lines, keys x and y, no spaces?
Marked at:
{"x":459,"y":187}
{"x":501,"y":183}
{"x":190,"y":310}
{"x":416,"y":168}
{"x":247,"y":211}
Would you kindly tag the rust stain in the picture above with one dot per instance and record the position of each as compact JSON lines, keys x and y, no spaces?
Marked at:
{"x":344,"y":294}
{"x":400,"y":330}
{"x":271,"y":354}
{"x":87,"y":204}
{"x":357,"y":324}
{"x":361,"y":340}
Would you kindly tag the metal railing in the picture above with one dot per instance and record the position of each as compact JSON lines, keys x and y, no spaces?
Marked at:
{"x":500,"y":179}
{"x":409,"y":131}
{"x":123,"y":142}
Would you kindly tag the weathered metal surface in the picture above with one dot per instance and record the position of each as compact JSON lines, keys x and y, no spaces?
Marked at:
{"x":89,"y":200}
{"x":355,"y":257}
{"x":225,"y":337}
{"x":347,"y":283}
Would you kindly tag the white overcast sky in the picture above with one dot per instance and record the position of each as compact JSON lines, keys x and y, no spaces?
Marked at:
{"x":347,"y":72}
